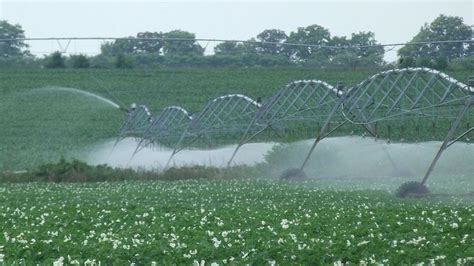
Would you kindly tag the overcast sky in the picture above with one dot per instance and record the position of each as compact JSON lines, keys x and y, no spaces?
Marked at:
{"x":391,"y":21}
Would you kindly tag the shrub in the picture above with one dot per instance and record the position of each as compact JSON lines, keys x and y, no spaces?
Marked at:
{"x":79,"y":61}
{"x":77,"y":171}
{"x":55,"y":60}
{"x":123,"y":61}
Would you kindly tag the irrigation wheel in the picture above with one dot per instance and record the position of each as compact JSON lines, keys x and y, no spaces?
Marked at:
{"x":412,"y":189}
{"x":293,"y":174}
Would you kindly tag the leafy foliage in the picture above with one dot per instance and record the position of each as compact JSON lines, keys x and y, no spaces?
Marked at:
{"x":13,"y":47}
{"x":55,"y":60}
{"x":443,"y":28}
{"x":33,"y":134}
{"x":239,"y":221}
{"x":79,"y":61}
{"x":123,"y":61}
{"x":273,"y":36}
{"x":75,"y":171}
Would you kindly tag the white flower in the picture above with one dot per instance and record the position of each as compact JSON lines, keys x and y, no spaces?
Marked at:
{"x":454,"y":225}
{"x":217,"y":242}
{"x":284,"y":224}
{"x":196,"y":263}
{"x":364,"y":243}
{"x":59,"y":262}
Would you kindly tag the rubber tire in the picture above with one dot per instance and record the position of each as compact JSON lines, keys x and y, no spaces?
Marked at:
{"x":412,"y":189}
{"x":293,"y":174}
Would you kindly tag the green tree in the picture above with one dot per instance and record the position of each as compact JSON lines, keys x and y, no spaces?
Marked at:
{"x":272,"y":36}
{"x":180,"y":47}
{"x":134,"y":45}
{"x":55,"y":60}
{"x":443,"y":28}
{"x":406,"y":61}
{"x":229,"y":48}
{"x":361,"y":51}
{"x":119,"y":46}
{"x":148,"y":46}
{"x":313,"y":34}
{"x":234,"y":48}
{"x":79,"y":61}
{"x":14,"y":47}
{"x":123,"y":61}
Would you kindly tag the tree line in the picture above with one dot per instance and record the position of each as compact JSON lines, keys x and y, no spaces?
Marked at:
{"x":272,"y":47}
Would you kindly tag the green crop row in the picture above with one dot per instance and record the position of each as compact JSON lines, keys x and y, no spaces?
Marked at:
{"x":42,"y":119}
{"x":231,"y":221}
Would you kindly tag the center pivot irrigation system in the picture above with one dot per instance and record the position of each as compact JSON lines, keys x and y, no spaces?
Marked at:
{"x":411,"y":96}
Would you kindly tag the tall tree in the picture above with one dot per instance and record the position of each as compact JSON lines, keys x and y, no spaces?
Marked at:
{"x":362,"y":50}
{"x":132,"y":45}
{"x":14,"y":47}
{"x":443,"y":28}
{"x":180,"y":47}
{"x":229,"y":48}
{"x":272,"y":36}
{"x":313,"y":34}
{"x":149,"y":46}
{"x":119,"y":46}
{"x":54,"y":60}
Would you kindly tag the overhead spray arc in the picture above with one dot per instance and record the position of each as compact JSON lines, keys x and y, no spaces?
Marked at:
{"x":402,"y":94}
{"x":138,"y":120}
{"x":376,"y":104}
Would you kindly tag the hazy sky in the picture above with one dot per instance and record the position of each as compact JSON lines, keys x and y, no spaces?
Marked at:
{"x":391,"y":21}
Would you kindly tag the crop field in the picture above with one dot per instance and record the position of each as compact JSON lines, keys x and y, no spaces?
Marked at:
{"x":39,"y":124}
{"x":42,"y":119}
{"x":249,"y":217}
{"x":239,"y":221}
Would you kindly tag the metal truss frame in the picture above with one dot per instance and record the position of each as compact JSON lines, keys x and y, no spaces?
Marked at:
{"x":402,"y":93}
{"x":301,"y":100}
{"x":137,"y":122}
{"x":223,"y":115}
{"x":164,"y":128}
